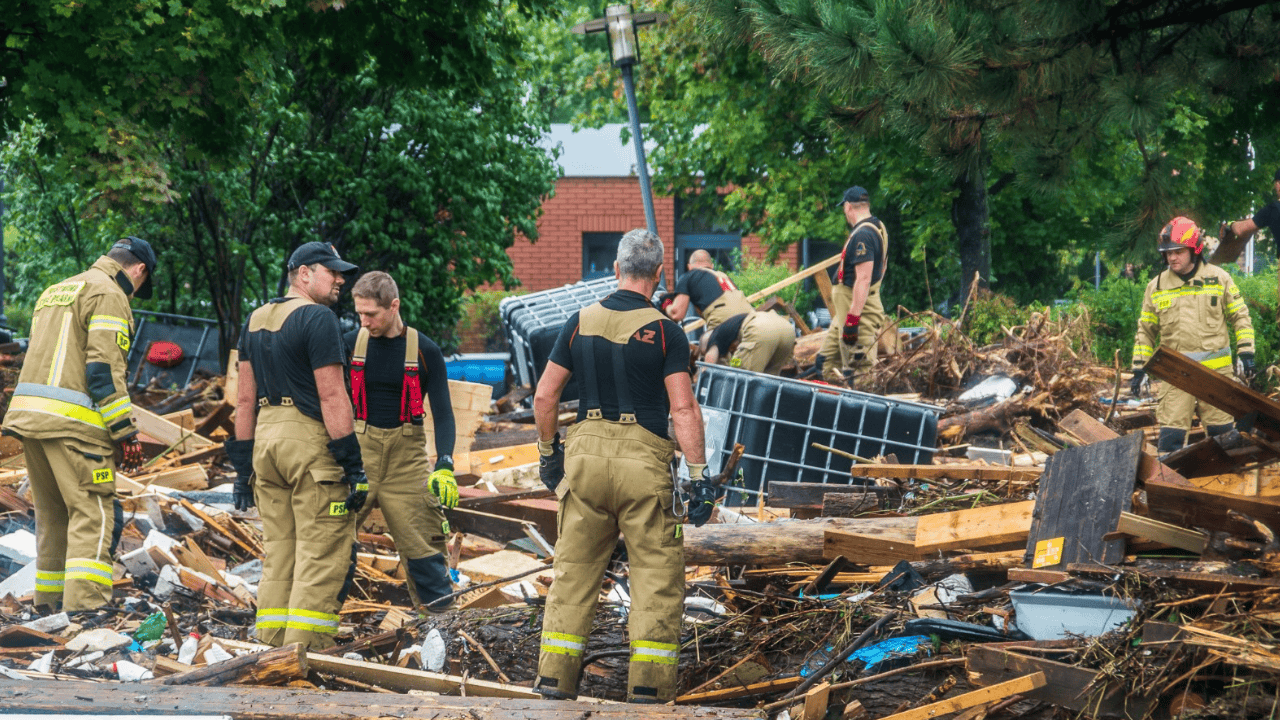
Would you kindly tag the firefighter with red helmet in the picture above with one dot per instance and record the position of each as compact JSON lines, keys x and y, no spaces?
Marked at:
{"x":1187,"y":308}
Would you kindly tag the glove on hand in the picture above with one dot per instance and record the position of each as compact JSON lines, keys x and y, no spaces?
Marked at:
{"x":241,"y":454}
{"x":444,"y":486}
{"x":346,"y":451}
{"x":850,"y":334}
{"x":701,"y":502}
{"x":129,"y":453}
{"x":1135,"y":385}
{"x":1247,"y":368}
{"x":551,"y":462}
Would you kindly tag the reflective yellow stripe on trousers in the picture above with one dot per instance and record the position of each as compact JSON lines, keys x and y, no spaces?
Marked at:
{"x":86,"y":569}
{"x":273,"y":617}
{"x":314,"y":621}
{"x":655,"y":652}
{"x":563,"y":643}
{"x":52,"y":581}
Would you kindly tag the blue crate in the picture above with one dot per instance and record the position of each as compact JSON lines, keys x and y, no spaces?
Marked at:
{"x":484,"y":368}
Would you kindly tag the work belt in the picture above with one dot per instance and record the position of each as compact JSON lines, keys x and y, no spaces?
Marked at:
{"x":282,"y":402}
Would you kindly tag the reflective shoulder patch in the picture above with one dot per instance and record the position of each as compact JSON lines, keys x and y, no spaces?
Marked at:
{"x":337,"y":508}
{"x":122,"y":339}
{"x":60,"y":294}
{"x":104,"y":475}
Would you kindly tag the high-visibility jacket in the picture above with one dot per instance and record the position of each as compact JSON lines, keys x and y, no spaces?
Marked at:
{"x":73,"y":378}
{"x":1190,"y":316}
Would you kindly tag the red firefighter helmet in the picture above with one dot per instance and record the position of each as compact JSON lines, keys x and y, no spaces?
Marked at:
{"x":1182,"y":233}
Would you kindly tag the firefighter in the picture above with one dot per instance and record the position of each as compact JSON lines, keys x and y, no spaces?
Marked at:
{"x":296,"y":454}
{"x":850,"y":345}
{"x":760,"y":341}
{"x":612,"y":475}
{"x":1186,"y":308}
{"x":71,"y":408}
{"x":713,"y":294}
{"x":389,"y":367}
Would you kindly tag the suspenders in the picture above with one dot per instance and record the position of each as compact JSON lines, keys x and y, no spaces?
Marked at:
{"x":411,"y":408}
{"x":591,"y":353}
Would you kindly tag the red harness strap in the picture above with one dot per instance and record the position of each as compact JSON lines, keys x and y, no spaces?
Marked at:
{"x":411,"y":408}
{"x":411,"y":395}
{"x":359,"y":395}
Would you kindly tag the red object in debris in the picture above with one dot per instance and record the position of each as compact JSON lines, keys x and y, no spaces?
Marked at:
{"x":165,"y":354}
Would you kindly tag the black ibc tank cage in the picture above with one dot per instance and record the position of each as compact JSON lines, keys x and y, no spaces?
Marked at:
{"x":532,"y":322}
{"x":778,"y":421}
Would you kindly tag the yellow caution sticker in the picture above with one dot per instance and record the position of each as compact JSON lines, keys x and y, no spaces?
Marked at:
{"x":1048,"y":552}
{"x":60,"y":294}
{"x":122,"y":340}
{"x":103,"y":475}
{"x":337,"y":508}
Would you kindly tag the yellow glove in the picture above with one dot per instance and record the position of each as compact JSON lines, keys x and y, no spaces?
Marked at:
{"x":443,"y":486}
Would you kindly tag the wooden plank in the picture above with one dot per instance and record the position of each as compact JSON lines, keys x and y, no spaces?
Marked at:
{"x":167,"y":433}
{"x":991,"y":693}
{"x":976,"y":528}
{"x":1203,"y":581}
{"x":732,"y":693}
{"x":885,"y":546}
{"x":1205,"y":457}
{"x":187,"y":477}
{"x":1233,"y":398}
{"x":404,"y":679}
{"x":778,"y":543}
{"x":1194,"y":507}
{"x":761,"y":294}
{"x":1091,"y":430}
{"x":1082,"y":493}
{"x":967,"y":471}
{"x":823,"y":281}
{"x":815,"y":701}
{"x":1068,"y":686}
{"x":69,"y":698}
{"x":1171,"y":535}
{"x":186,"y":419}
{"x":1047,"y":577}
{"x":810,"y":495}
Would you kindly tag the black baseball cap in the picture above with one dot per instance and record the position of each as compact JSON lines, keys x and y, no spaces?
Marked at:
{"x":320,"y":252}
{"x":142,"y":250}
{"x":857,"y":193}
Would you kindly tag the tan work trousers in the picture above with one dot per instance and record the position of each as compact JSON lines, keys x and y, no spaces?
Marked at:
{"x":617,"y":479}
{"x":730,"y":304}
{"x":1177,"y":407}
{"x":766,"y":342}
{"x":78,"y":521}
{"x":839,"y":355}
{"x":395,"y":460}
{"x":308,"y":533}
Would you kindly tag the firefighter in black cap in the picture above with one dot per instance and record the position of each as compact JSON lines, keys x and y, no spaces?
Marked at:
{"x":71,"y":409}
{"x":296,"y":454}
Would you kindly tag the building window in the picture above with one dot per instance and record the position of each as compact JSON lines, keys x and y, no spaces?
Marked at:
{"x":703,"y":227}
{"x":599,"y":250}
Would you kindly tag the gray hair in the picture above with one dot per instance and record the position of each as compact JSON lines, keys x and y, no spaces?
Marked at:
{"x":639,"y":254}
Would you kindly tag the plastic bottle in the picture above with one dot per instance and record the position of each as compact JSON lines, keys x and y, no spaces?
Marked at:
{"x":130,"y":672}
{"x":187,"y":653}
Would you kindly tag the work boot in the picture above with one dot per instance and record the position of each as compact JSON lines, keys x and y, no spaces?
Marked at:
{"x":431,"y":581}
{"x":1171,"y":440}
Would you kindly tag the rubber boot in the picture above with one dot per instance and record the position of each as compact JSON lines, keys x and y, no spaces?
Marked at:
{"x":1171,"y":440}
{"x":430,"y":576}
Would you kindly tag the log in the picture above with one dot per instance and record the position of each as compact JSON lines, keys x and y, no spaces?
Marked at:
{"x":68,"y":698}
{"x":996,"y":417}
{"x":274,"y":667}
{"x":776,"y":543}
{"x":845,"y":505}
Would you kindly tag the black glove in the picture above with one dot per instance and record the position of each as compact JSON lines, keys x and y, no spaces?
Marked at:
{"x":1247,"y":368}
{"x":551,"y":462}
{"x":702,"y":502}
{"x":241,"y":454}
{"x":346,"y":451}
{"x":1135,"y":385}
{"x":129,"y":453}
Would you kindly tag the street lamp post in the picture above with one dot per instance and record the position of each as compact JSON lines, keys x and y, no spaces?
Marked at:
{"x":624,"y":49}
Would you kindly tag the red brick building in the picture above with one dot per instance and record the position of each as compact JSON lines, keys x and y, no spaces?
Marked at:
{"x":596,"y":201}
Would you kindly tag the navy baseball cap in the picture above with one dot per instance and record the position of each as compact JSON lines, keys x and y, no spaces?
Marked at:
{"x":320,"y":252}
{"x":857,"y":193}
{"x":142,"y":250}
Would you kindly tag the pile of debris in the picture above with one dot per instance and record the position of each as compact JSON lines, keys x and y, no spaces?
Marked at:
{"x":1097,"y":581}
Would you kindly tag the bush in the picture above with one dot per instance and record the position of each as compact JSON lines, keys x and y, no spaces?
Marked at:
{"x":482,"y":309}
{"x":988,"y":314}
{"x":754,"y":275}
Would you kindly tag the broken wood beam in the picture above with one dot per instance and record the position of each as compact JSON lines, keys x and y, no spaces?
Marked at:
{"x":765,"y":687}
{"x":1171,"y":535}
{"x":1233,"y":398}
{"x":966,"y":471}
{"x":875,"y":546}
{"x":68,"y":698}
{"x":781,"y":542}
{"x":403,"y":679}
{"x":761,"y":294}
{"x":273,"y":667}
{"x":1068,"y":686}
{"x":992,"y":693}
{"x":976,"y":528}
{"x":1089,"y":429}
{"x":812,"y":495}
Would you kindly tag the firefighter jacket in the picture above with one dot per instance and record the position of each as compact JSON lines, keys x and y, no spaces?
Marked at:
{"x":1190,"y":316}
{"x":72,"y":383}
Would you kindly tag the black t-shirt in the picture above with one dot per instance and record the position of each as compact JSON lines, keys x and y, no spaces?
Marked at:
{"x":862,"y":246}
{"x":384,"y":384}
{"x":702,"y":286}
{"x":1269,"y":217}
{"x":726,"y":334}
{"x":657,"y":350}
{"x":285,"y":360}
